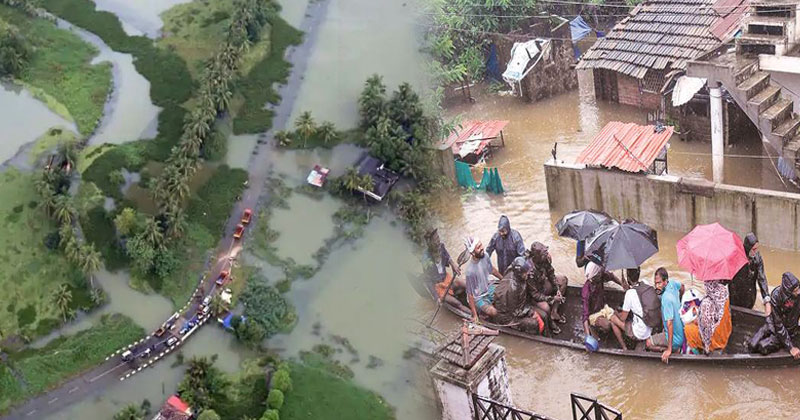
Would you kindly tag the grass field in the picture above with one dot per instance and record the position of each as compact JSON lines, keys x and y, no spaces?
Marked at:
{"x":29,"y":271}
{"x":42,"y":369}
{"x":60,"y":67}
{"x":317,"y":394}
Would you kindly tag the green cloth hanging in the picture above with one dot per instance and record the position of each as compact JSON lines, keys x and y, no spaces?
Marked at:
{"x":464,"y":175}
{"x":486,"y":180}
{"x":498,"y":184}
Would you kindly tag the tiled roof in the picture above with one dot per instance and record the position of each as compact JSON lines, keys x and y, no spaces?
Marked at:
{"x":626,"y":146}
{"x":664,"y":35}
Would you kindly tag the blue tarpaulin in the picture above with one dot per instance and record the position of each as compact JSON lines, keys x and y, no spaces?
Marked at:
{"x":493,"y":64}
{"x":579,"y":29}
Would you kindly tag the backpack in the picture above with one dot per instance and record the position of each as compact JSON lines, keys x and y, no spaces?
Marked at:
{"x":651,"y":305}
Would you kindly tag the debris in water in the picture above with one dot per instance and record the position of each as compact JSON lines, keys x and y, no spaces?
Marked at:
{"x":374,"y":362}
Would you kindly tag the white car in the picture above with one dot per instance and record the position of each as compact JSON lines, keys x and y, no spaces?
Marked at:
{"x":127,"y":355}
{"x":207,"y":300}
{"x":171,"y":341}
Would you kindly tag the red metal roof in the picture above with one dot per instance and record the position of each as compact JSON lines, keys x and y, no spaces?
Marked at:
{"x":626,"y":146}
{"x":731,"y":13}
{"x":474,"y":130}
{"x":178,"y":404}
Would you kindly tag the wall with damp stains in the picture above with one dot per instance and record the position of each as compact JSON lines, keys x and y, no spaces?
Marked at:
{"x":674,"y":203}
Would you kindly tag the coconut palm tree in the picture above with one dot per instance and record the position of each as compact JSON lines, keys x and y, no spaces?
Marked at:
{"x":90,"y":259}
{"x":48,"y":201}
{"x":62,"y":298}
{"x":63,"y":209}
{"x":152,"y":233}
{"x":130,"y":412}
{"x":177,"y":223}
{"x":351,"y":180}
{"x":305,"y":126}
{"x":327,"y":132}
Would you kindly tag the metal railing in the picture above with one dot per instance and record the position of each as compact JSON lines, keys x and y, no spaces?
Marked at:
{"x":591,"y":409}
{"x":488,"y":409}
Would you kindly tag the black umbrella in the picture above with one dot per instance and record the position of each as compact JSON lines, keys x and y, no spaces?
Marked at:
{"x":579,"y":224}
{"x":627,"y":245}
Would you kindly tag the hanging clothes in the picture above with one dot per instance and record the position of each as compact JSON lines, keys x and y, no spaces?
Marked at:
{"x":464,"y":175}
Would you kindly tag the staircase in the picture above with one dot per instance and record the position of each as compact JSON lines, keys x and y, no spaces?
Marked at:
{"x":770,"y":29}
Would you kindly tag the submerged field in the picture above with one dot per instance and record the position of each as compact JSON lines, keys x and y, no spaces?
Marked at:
{"x":59,"y":70}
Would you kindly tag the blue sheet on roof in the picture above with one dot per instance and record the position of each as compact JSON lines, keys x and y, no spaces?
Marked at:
{"x":579,"y":28}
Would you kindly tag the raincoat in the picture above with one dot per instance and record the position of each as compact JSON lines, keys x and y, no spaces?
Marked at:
{"x":743,"y":287}
{"x":507,"y":248}
{"x":781,"y":325}
{"x":510,"y":298}
{"x":542,"y":280}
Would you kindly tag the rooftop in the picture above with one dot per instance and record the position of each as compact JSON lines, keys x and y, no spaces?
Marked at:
{"x":626,"y":146}
{"x":664,"y":34}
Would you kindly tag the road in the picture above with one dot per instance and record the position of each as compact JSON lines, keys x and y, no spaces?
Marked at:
{"x":114,"y":370}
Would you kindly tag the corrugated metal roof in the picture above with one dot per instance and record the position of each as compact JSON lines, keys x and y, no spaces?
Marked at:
{"x":626,"y":146}
{"x":661,"y":34}
{"x":474,"y":130}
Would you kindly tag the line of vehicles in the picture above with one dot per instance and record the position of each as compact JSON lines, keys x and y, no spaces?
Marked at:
{"x":176,"y":321}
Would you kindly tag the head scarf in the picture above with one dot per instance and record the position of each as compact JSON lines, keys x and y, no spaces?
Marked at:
{"x":592,"y":271}
{"x":712,"y":308}
{"x":470,"y":243}
{"x":749,"y":242}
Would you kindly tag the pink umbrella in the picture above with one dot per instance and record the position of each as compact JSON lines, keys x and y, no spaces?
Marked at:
{"x":711,"y":252}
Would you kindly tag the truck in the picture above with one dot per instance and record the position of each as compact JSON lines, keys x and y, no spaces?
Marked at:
{"x":247,"y":214}
{"x":237,"y":234}
{"x":223,"y":277}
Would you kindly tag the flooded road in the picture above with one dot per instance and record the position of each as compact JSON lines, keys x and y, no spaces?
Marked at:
{"x":20,"y":109}
{"x":543,"y":376}
{"x":357,"y":39}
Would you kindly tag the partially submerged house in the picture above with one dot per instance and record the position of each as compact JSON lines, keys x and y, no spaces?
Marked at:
{"x":537,"y":58}
{"x":760,"y":72}
{"x":174,"y":409}
{"x":629,"y":147}
{"x":643,"y":59}
{"x":383,"y":179}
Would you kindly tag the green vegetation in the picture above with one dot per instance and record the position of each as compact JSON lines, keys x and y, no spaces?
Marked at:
{"x":32,"y":269}
{"x":130,"y":412}
{"x":58,"y":64}
{"x":317,"y":393}
{"x":257,"y":88}
{"x":45,"y":368}
{"x":53,"y":138}
{"x":14,"y":50}
{"x":232,"y":397}
{"x":267,"y":307}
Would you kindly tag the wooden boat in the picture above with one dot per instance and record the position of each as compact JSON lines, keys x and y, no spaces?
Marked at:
{"x":745,"y":323}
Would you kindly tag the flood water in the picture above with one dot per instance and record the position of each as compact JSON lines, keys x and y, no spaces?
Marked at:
{"x":357,"y":39}
{"x":544,"y":376}
{"x":309,"y":223}
{"x":129,"y":113}
{"x":20,"y":107}
{"x":142,"y":17}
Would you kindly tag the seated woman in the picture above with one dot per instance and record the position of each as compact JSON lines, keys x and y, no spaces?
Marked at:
{"x":712,"y":329}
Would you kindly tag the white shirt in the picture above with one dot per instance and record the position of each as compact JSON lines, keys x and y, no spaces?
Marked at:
{"x":633,"y":304}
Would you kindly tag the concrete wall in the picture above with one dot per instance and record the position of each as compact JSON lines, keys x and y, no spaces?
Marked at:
{"x":664,"y":202}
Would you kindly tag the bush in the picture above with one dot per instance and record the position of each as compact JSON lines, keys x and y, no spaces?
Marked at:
{"x":212,"y":203}
{"x":216,"y":146}
{"x":271,"y":414}
{"x":282,"y":380}
{"x":14,"y":50}
{"x":275,"y":399}
{"x":265,"y":305}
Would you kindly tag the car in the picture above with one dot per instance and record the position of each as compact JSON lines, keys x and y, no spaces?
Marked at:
{"x":171,"y":341}
{"x":206,"y":310}
{"x":146,"y":353}
{"x":237,"y":234}
{"x":207,"y":300}
{"x":161,"y":330}
{"x":247,"y":214}
{"x":223,"y":276}
{"x":127,"y":356}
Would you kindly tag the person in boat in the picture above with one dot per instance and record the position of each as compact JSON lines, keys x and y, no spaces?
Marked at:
{"x":640,"y":307}
{"x":672,"y":337}
{"x":438,"y":261}
{"x":508,"y":244}
{"x":511,"y":300}
{"x":547,"y":290}
{"x":743,"y":286}
{"x":710,"y":332}
{"x":781,"y":324}
{"x":480,"y":288}
{"x":596,"y":314}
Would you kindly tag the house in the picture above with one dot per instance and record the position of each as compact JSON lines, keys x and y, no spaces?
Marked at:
{"x":644,"y":57}
{"x":174,"y":409}
{"x":628,"y":147}
{"x":382,"y":178}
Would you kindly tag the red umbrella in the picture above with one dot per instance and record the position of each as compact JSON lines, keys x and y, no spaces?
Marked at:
{"x":711,"y":252}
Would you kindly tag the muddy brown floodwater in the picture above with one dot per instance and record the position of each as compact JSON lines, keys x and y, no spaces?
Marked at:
{"x":542,"y":376}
